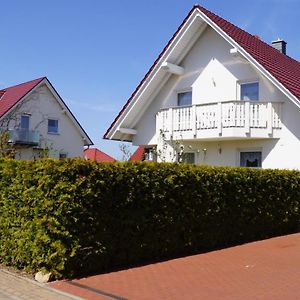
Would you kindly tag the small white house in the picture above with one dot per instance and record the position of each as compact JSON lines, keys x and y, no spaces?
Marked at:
{"x":39,"y":122}
{"x":216,"y":95}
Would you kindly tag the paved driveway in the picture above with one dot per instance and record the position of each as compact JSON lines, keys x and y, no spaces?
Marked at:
{"x":264,"y":270}
{"x":14,"y":287}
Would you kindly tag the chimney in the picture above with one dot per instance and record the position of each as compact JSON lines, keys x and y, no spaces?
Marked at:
{"x":280,"y":45}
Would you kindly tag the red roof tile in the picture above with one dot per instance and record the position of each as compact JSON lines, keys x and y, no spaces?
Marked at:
{"x":284,"y":68}
{"x":12,"y":95}
{"x":138,"y":155}
{"x":97,"y":155}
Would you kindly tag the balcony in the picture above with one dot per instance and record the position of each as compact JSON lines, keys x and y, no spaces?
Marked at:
{"x":221,"y":121}
{"x":24,"y":137}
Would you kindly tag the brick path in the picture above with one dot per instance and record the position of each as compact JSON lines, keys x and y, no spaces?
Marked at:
{"x":14,"y":287}
{"x":264,"y":270}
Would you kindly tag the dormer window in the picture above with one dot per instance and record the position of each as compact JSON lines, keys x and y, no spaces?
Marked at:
{"x":184,"y":98}
{"x":250,"y":91}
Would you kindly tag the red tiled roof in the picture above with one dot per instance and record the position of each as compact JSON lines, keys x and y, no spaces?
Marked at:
{"x":12,"y":95}
{"x":284,"y":68}
{"x":97,"y":155}
{"x":138,"y":155}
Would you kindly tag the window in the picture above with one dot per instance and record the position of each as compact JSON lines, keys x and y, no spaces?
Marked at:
{"x":249,"y":91}
{"x":184,"y":98}
{"x":188,"y":158}
{"x":24,"y":122}
{"x":150,"y":154}
{"x":63,"y":155}
{"x":250,"y":159}
{"x":52,"y":126}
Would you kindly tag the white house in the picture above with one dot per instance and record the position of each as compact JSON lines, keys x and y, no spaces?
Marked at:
{"x":216,"y":95}
{"x":39,"y":122}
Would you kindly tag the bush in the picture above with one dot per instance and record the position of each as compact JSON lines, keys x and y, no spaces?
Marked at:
{"x":74,"y":217}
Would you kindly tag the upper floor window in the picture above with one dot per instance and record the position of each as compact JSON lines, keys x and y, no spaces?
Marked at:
{"x":24,"y":122}
{"x":52,"y":126}
{"x":249,"y":91}
{"x":184,"y":98}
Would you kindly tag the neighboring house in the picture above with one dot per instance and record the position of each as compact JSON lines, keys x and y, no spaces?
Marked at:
{"x":216,"y":95}
{"x":39,"y":122}
{"x":97,"y":155}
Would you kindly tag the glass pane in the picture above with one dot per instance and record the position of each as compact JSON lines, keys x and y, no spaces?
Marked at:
{"x":250,"y":159}
{"x":184,"y":99}
{"x":25,"y":122}
{"x":249,"y":91}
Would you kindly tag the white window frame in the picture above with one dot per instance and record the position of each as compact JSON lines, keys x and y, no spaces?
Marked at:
{"x":63,"y":155}
{"x":240,"y":150}
{"x":182,"y":91}
{"x":52,"y":119}
{"x":239,"y":88}
{"x":27,"y":116}
{"x":195,"y":157}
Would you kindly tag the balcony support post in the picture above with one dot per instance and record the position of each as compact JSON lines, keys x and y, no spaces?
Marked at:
{"x":219,"y":118}
{"x":247,"y":117}
{"x":170,"y":118}
{"x":193,"y":120}
{"x":270,"y":118}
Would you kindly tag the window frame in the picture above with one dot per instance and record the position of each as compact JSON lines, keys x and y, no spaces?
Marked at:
{"x":186,"y":91}
{"x":249,"y":150}
{"x":190,"y":152}
{"x":239,"y":90}
{"x":53,"y":132}
{"x":22,"y":118}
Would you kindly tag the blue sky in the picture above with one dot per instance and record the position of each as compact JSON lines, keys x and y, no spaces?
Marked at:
{"x":95,"y":52}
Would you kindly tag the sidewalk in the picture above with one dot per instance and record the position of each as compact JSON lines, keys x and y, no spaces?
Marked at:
{"x":15,"y":287}
{"x":262,"y":270}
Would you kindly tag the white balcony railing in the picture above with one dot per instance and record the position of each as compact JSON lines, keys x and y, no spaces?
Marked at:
{"x":221,"y":119}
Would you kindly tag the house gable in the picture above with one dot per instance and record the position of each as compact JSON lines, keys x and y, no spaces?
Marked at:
{"x":27,"y":97}
{"x":268,"y":62}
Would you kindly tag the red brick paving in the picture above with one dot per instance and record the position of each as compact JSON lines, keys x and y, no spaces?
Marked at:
{"x":265,"y":270}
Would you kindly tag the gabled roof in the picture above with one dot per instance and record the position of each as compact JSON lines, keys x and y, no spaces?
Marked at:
{"x":12,"y":96}
{"x":97,"y":155}
{"x":138,"y":155}
{"x":283,"y":70}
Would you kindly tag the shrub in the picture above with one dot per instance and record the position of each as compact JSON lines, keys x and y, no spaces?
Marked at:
{"x":74,"y":217}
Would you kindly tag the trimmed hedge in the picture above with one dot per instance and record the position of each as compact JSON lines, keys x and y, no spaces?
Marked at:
{"x":74,"y":217}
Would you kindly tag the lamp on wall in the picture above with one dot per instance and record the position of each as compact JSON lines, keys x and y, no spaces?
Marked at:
{"x":219,"y":149}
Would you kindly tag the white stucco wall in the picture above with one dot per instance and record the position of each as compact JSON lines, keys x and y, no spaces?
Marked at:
{"x":41,"y":105}
{"x":213,"y":74}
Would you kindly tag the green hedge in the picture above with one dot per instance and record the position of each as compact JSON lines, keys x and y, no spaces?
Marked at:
{"x":75,"y":217}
